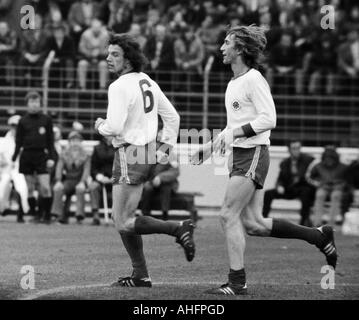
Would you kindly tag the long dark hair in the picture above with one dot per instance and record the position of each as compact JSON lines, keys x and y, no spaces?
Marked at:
{"x":131,"y":50}
{"x":252,"y":41}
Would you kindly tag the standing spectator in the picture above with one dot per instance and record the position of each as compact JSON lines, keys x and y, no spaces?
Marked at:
{"x":8,"y":44}
{"x":195,"y":13}
{"x":136,"y":33}
{"x":159,"y":50}
{"x":323,"y":64}
{"x":292,"y":184}
{"x":328,"y":176}
{"x":63,"y":46}
{"x":72,"y":173}
{"x":92,"y":48}
{"x":33,"y":53}
{"x":348,"y":63}
{"x":34,"y":136}
{"x":283,"y":64}
{"x":80,"y":17}
{"x":101,"y":172}
{"x":10,"y":175}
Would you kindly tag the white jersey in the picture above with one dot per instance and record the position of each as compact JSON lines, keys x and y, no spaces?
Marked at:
{"x":134,"y":101}
{"x":250,"y":105}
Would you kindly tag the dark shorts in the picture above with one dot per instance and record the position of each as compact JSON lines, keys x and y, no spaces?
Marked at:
{"x":250,"y":162}
{"x":134,"y":164}
{"x":33,"y":161}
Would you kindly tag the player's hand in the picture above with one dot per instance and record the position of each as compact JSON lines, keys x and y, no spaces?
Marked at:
{"x":50,"y":164}
{"x":100,"y":177}
{"x":202,"y":154}
{"x":106,"y":180}
{"x":280,"y":189}
{"x":98,"y":122}
{"x":156,"y":181}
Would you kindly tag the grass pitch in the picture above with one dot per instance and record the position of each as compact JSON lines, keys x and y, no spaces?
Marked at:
{"x":79,"y":262}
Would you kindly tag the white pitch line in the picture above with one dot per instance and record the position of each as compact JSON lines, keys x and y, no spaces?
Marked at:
{"x":43,"y":293}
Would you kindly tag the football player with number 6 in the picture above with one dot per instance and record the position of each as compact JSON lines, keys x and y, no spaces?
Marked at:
{"x":134,"y":103}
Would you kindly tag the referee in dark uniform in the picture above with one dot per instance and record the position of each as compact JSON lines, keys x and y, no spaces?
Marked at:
{"x":35,"y":141}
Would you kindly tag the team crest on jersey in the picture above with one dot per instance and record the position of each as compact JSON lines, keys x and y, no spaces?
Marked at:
{"x":42,"y":130}
{"x":235,"y":105}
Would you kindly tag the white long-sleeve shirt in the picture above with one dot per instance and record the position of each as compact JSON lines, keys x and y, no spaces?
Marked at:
{"x":134,"y":101}
{"x":250,"y":105}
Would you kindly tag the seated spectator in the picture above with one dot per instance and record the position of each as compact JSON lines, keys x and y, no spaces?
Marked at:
{"x":323,"y":64}
{"x":136,"y":33}
{"x":80,"y":17}
{"x":121,"y":18}
{"x":189,"y":51}
{"x":292,"y":184}
{"x":159,"y":50}
{"x":8,"y":46}
{"x":101,"y":172}
{"x":348,"y":63}
{"x":328,"y":176}
{"x":283,"y":62}
{"x":164,"y":183}
{"x":33,"y":54}
{"x":63,"y":46}
{"x":93,"y":52}
{"x":72,"y":172}
{"x":9,"y":175}
{"x":352,"y":179}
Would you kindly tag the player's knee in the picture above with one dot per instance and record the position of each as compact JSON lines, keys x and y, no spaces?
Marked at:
{"x":45,"y":191}
{"x":122,"y":225}
{"x":83,"y":64}
{"x":253,"y":227}
{"x":94,"y":186}
{"x":58,"y":188}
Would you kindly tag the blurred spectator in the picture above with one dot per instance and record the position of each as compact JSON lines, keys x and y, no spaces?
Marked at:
{"x":8,"y":45}
{"x":164,"y":183}
{"x":72,"y":173}
{"x":153,"y":19}
{"x":195,"y":13}
{"x":210,"y":32}
{"x":159,"y":50}
{"x":101,"y":172}
{"x":177,"y":24}
{"x":352,"y":22}
{"x":57,"y":151}
{"x":283,"y":63}
{"x":62,"y":67}
{"x":323,"y":64}
{"x":9,"y":175}
{"x":328,"y":176}
{"x":77,"y":126}
{"x":80,"y":17}
{"x":33,"y":53}
{"x":93,"y":51}
{"x":120,"y":16}
{"x":5,"y":5}
{"x":292,"y":184}
{"x":35,"y":140}
{"x":348,"y":63}
{"x":136,"y":32}
{"x":189,"y":51}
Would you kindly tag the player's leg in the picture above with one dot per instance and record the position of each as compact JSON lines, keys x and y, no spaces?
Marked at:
{"x":239,"y":192}
{"x":269,"y":196}
{"x":335,"y":204}
{"x":255,"y":224}
{"x":45,"y":199}
{"x":31,"y":186}
{"x":95,"y":195}
{"x":21,"y":188}
{"x":5,"y":191}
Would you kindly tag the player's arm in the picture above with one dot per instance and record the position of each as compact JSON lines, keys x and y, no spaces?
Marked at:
{"x":171,"y":121}
{"x":19,"y":138}
{"x":117,"y":112}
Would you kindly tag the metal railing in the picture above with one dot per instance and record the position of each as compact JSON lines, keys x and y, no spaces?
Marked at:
{"x":317,"y":119}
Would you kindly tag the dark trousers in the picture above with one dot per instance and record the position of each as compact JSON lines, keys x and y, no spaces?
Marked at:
{"x":304,"y":193}
{"x":149,"y":192}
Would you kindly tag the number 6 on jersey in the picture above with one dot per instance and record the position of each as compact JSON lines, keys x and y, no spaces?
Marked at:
{"x":146,"y":94}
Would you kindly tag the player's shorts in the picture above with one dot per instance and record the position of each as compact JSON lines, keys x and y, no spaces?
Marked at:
{"x":134,"y":164}
{"x":33,"y":161}
{"x":250,"y":162}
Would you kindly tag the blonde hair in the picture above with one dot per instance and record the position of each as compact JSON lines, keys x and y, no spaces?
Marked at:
{"x":251,"y":40}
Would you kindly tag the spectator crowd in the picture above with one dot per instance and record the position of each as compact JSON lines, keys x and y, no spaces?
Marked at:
{"x":302,"y":56}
